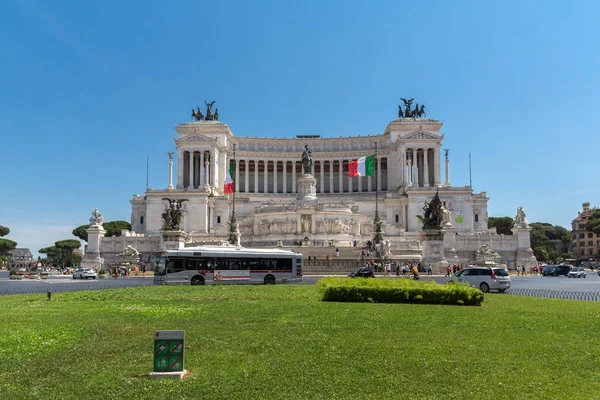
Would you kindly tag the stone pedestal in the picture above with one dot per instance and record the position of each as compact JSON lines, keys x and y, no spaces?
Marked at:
{"x":307,"y":190}
{"x":172,"y":240}
{"x":91,"y":258}
{"x":524,"y":253}
{"x":433,"y":250}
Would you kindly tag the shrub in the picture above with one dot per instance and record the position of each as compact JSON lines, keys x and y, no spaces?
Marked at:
{"x":397,"y":291}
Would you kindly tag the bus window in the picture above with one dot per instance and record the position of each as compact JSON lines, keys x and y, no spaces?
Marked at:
{"x":284,"y":264}
{"x":176,"y":265}
{"x":208,"y":263}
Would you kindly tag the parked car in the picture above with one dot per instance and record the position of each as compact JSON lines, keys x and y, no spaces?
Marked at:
{"x":362,"y":272}
{"x":483,"y":278}
{"x":576,"y":272}
{"x":556,"y":270}
{"x":84,"y":273}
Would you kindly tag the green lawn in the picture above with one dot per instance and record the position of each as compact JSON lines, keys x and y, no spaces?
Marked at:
{"x":282,"y":342}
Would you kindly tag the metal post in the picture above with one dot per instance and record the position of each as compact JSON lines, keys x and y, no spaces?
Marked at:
{"x":378,"y":238}
{"x":234,"y":232}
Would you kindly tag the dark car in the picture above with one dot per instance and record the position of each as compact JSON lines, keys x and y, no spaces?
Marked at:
{"x":362,"y":272}
{"x":556,"y":270}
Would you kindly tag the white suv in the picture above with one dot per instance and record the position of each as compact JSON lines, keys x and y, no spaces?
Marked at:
{"x":483,"y":278}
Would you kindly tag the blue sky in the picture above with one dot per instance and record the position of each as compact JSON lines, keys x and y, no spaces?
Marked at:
{"x":89,"y":90}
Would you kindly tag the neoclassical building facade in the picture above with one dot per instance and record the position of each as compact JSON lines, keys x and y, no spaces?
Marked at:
{"x":277,"y":203}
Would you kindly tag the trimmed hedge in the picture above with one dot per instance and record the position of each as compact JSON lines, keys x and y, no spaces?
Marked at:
{"x":397,"y":291}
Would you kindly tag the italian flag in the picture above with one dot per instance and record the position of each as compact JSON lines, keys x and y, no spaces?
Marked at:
{"x":364,"y":166}
{"x":228,"y":188}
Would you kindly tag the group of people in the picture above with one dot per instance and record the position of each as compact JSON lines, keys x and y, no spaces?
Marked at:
{"x":533,"y":270}
{"x":411,"y":268}
{"x":451,"y":270}
{"x":125,"y":272}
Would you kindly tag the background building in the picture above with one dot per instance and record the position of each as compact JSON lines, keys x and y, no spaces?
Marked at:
{"x":21,"y":258}
{"x":586,"y":244}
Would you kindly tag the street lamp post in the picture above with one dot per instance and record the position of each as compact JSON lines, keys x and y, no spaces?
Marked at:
{"x":378,"y":238}
{"x":234,"y":231}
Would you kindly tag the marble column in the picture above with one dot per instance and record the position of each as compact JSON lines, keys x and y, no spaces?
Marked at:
{"x":341,"y":175}
{"x":236,"y":179}
{"x":206,"y":168}
{"x":202,"y":171}
{"x":410,"y":168}
{"x":447,"y":183}
{"x":378,"y":173}
{"x":275,"y":162}
{"x":170,"y":186}
{"x":191,"y":169}
{"x":247,"y":176}
{"x":425,"y":168}
{"x":402,"y":166}
{"x":436,"y":161}
{"x":284,"y":177}
{"x":266,"y":177}
{"x":255,"y":176}
{"x":322,"y":174}
{"x":331,"y":176}
{"x":294,"y":177}
{"x":179,"y":169}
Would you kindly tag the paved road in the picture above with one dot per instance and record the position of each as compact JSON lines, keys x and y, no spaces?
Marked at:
{"x":65,"y":283}
{"x":56,"y":284}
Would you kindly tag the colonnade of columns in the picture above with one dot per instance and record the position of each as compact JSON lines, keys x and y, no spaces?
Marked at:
{"x":196,"y":169}
{"x":280,"y":176}
{"x":421,"y":166}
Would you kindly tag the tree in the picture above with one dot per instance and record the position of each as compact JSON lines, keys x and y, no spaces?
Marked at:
{"x":550,"y":243}
{"x":81,"y":232}
{"x":593,"y":224}
{"x":6,"y":246}
{"x":51,"y":254}
{"x":503,"y":225}
{"x":112,"y":228}
{"x":64,"y":252}
{"x":4,"y":231}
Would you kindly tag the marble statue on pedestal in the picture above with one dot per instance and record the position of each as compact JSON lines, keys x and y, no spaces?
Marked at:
{"x":307,"y":160}
{"x":172,"y":215}
{"x":96,"y":218}
{"x":520,"y":220}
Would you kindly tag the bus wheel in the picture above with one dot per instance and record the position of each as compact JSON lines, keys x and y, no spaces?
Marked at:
{"x":197,"y":280}
{"x":269,"y":280}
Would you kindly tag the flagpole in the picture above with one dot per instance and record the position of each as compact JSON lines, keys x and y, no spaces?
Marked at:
{"x":470,"y":180}
{"x":377,"y":239}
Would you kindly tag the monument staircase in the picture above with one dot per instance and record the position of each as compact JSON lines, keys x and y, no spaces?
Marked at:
{"x":319,"y":264}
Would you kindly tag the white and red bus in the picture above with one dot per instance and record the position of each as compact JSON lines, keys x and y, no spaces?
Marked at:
{"x":218,"y":264}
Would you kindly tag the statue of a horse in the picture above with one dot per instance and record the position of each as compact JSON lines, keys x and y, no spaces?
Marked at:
{"x":421,"y":112}
{"x":197,"y":114}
